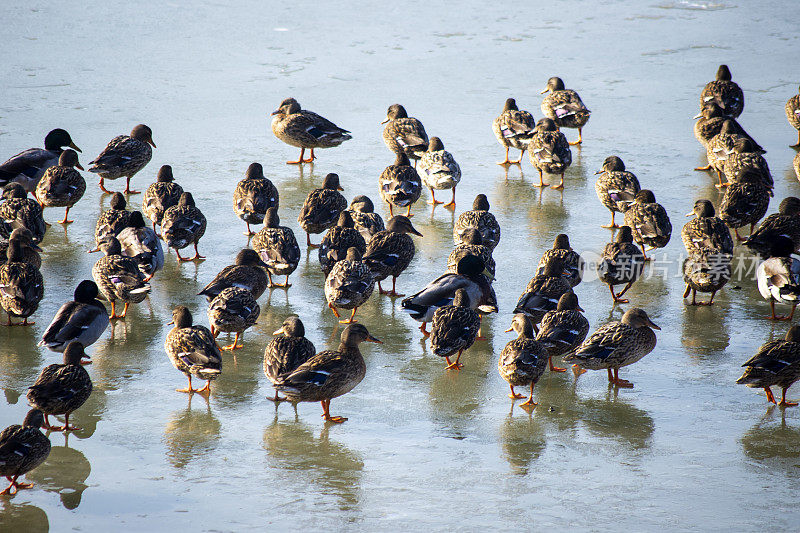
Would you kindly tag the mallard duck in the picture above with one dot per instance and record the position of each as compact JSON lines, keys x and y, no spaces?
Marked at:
{"x":649,"y":222}
{"x":778,"y":277}
{"x":563,"y":329}
{"x":82,"y":319}
{"x":193,"y":350}
{"x":471,"y":244}
{"x":793,"y":114}
{"x":27,"y":167}
{"x":564,"y":107}
{"x":366,"y":220}
{"x":439,"y":170}
{"x":112,"y":220}
{"x":118,"y":277}
{"x":776,"y":363}
{"x":622,"y":263}
{"x":709,"y":124}
{"x":523,"y":360}
{"x":403,"y":134}
{"x":328,"y":374}
{"x":481,"y":219}
{"x":248,"y":271}
{"x":471,"y":274}
{"x":161,"y":195}
{"x":706,"y":230}
{"x":744,"y":159}
{"x":454,"y":328}
{"x":19,"y":211}
{"x":60,"y":389}
{"x":277,"y":247}
{"x":233,"y":311}
{"x":22,"y":448}
{"x":543,"y":292}
{"x":549,"y":151}
{"x":321,"y":208}
{"x":305,"y":129}
{"x":141,"y":244}
{"x":400,"y":185}
{"x":616,"y":187}
{"x":287,"y":350}
{"x":726,"y":93}
{"x":390,"y":252}
{"x":21,"y":286}
{"x":617,"y":344}
{"x":785,"y":222}
{"x":253,"y":196}
{"x":706,"y":270}
{"x":61,"y":185}
{"x":571,"y":261}
{"x":744,"y":202}
{"x":338,"y":240}
{"x":718,"y":149}
{"x":182,"y":225}
{"x":513,"y":129}
{"x":124,"y":156}
{"x":30,"y":250}
{"x":349,"y":284}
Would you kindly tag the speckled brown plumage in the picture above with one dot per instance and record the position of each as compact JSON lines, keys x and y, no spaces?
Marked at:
{"x":62,"y":185}
{"x":349,"y":284}
{"x":233,"y":311}
{"x":513,"y":128}
{"x":322,"y":206}
{"x":192,"y":350}
{"x":481,"y":219}
{"x":726,"y":93}
{"x":247,"y":272}
{"x":776,"y":363}
{"x":287,"y":350}
{"x":337,"y":241}
{"x":253,"y":196}
{"x":21,"y":285}
{"x":161,"y":195}
{"x":785,"y":222}
{"x":182,"y":225}
{"x":616,"y":187}
{"x":124,"y":156}
{"x":18,"y":211}
{"x":400,"y":185}
{"x":454,"y":328}
{"x":649,"y":222}
{"x":60,"y":389}
{"x":706,"y":270}
{"x":277,"y":247}
{"x":549,"y":151}
{"x":706,"y":231}
{"x":403,"y":134}
{"x":564,"y":107}
{"x":22,"y":448}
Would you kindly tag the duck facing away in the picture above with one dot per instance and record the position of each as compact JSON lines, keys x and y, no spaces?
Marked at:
{"x":28,"y":166}
{"x":481,"y":219}
{"x":513,"y":129}
{"x":61,"y":185}
{"x":193,"y":350}
{"x":616,"y":187}
{"x":184,"y":224}
{"x":248,"y":271}
{"x":564,"y":107}
{"x":706,"y":270}
{"x":112,"y":220}
{"x":785,"y":222}
{"x":338,"y":240}
{"x":543,"y":292}
{"x":404,"y":134}
{"x":523,"y":360}
{"x":390,"y":252}
{"x":349,"y":284}
{"x":471,"y":244}
{"x":622,"y":263}
{"x":562,"y":330}
{"x":439,"y":170}
{"x":305,"y":130}
{"x":287,"y":350}
{"x":778,"y":277}
{"x":321,"y":208}
{"x":278,"y":248}
{"x":161,"y":195}
{"x":572,"y":262}
{"x":793,"y":115}
{"x":726,"y":93}
{"x":119,"y":278}
{"x":124,"y":156}
{"x":22,"y":448}
{"x":366,"y":220}
{"x":140,"y":243}
{"x":253,"y":196}
{"x":549,"y":152}
{"x":454,"y":328}
{"x":649,"y":222}
{"x":83,"y":319}
{"x":21,"y":286}
{"x":233,"y":311}
{"x":19,"y":211}
{"x":400,"y":185}
{"x":30,"y":250}
{"x":776,"y":363}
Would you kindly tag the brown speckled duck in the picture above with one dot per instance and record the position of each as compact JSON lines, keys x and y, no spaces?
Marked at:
{"x":305,"y":130}
{"x":30,"y":250}
{"x":349,"y":285}
{"x":649,"y":222}
{"x":616,"y":187}
{"x":253,"y":196}
{"x":400,"y":185}
{"x":338,"y":240}
{"x":454,"y":328}
{"x":549,"y":152}
{"x":523,"y":360}
{"x":481,"y":219}
{"x":112,"y":220}
{"x":439,"y":170}
{"x":543,"y":292}
{"x":571,"y":261}
{"x":161,"y":195}
{"x":287,"y":350}
{"x":366,"y":220}
{"x":726,"y":93}
{"x":28,"y":166}
{"x":564,"y":107}
{"x":277,"y":247}
{"x":19,"y":211}
{"x":563,"y":329}
{"x":745,"y":159}
{"x":184,"y":224}
{"x":776,"y":363}
{"x":321,"y":208}
{"x":745,"y":202}
{"x":390,"y":252}
{"x":22,"y":448}
{"x":124,"y":156}
{"x":21,"y":286}
{"x":622,"y":263}
{"x":706,"y":270}
{"x":513,"y":129}
{"x":706,"y":230}
{"x":233,"y":311}
{"x":403,"y":134}
{"x":61,"y":185}
{"x":140,"y":243}
{"x":60,"y":389}
{"x":248,"y":271}
{"x":709,"y":124}
{"x":193,"y":350}
{"x":119,"y":278}
{"x":785,"y":222}
{"x":793,"y":115}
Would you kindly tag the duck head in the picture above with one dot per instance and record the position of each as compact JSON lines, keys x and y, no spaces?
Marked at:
{"x":553,"y":84}
{"x":638,"y":318}
{"x":402,"y":224}
{"x":69,"y":158}
{"x":355,"y":334}
{"x":331,"y":181}
{"x":702,"y":209}
{"x":254,"y":172}
{"x":58,"y":139}
{"x":165,"y":174}
{"x":394,"y":112}
{"x":612,"y":163}
{"x":143,"y":133}
{"x":292,"y":327}
{"x":521,"y":324}
{"x":362,"y":204}
{"x":181,"y":317}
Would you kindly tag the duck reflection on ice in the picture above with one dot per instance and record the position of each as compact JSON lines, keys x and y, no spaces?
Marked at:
{"x":65,"y":471}
{"x":23,"y":517}
{"x":773,"y":444}
{"x":523,"y":439}
{"x":191,"y":433}
{"x":617,"y":419}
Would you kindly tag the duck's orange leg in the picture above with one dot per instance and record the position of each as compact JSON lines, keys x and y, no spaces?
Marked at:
{"x":613,"y":224}
{"x":619,"y":382}
{"x":554,"y":368}
{"x":335,"y":312}
{"x":103,"y":187}
{"x":424,"y":330}
{"x":515,"y":395}
{"x":456,"y":365}
{"x":66,"y":220}
{"x":529,"y":403}
{"x":770,"y":397}
{"x":452,"y":203}
{"x":433,"y":201}
{"x":326,"y":413}
{"x":784,"y":402}
{"x":235,"y":345}
{"x":310,"y":159}
{"x":299,"y":159}
{"x":128,"y":189}
{"x":351,"y":319}
{"x":506,"y":161}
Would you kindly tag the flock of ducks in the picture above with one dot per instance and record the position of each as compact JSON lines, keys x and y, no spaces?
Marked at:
{"x":358,"y":251}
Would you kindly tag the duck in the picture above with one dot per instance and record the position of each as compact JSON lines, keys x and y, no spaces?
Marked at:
{"x":745,"y":202}
{"x":403,"y":134}
{"x":30,"y":250}
{"x":112,"y":220}
{"x":709,"y":124}
{"x":233,"y":311}
{"x":288,"y":349}
{"x":349,"y":284}
{"x":562,"y":330}
{"x":513,"y":129}
{"x":543,"y":292}
{"x":778,"y":277}
{"x":706,"y":270}
{"x":400,"y":185}
{"x":61,"y":389}
{"x":22,"y":448}
{"x":649,"y":222}
{"x":21,"y":286}
{"x":785,"y":222}
{"x":161,"y":195}
{"x":793,"y":115}
{"x":366,"y":220}
{"x":481,"y":219}
{"x":439,"y":170}
{"x":471,"y":244}
{"x":119,"y":278}
{"x":389,"y":252}
{"x":278,"y":248}
{"x":19,"y":211}
{"x":471,"y":274}
{"x":564,"y":107}
{"x":622,"y":263}
{"x":454,"y":329}
{"x":572,"y":263}
{"x":248,"y":271}
{"x":330,"y":373}
{"x":776,"y":363}
{"x":253,"y":196}
{"x":142,"y":244}
{"x":124,"y":156}
{"x":719,"y":148}
{"x":616,"y":187}
{"x":61,"y":185}
{"x":338,"y":240}
{"x":744,"y":159}
{"x":193,"y":350}
{"x":617,"y":344}
{"x":305,"y":129}
{"x":184,"y":224}
{"x":726,"y":93}
{"x":83,"y":319}
{"x":28,"y":166}
{"x":706,"y":230}
{"x":549,"y":151}
{"x":796,"y":165}
{"x":321,"y":208}
{"x":523,"y":360}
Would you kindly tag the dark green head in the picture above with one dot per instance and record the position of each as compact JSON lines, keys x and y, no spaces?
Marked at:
{"x":58,"y":139}
{"x":86,"y":291}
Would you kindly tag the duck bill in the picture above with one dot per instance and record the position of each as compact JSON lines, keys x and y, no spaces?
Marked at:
{"x":370,"y":338}
{"x":652,"y":324}
{"x":339,"y":188}
{"x":509,"y":329}
{"x":34,"y":246}
{"x":385,"y":121}
{"x":698,"y":116}
{"x":545,"y":90}
{"x":151,"y":143}
{"x":598,"y":172}
{"x":579,"y":308}
{"x":74,"y":147}
{"x":488,"y":274}
{"x":690,"y":214}
{"x":171,"y":322}
{"x":414,"y":231}
{"x":78,"y":166}
{"x":277,"y":331}
{"x":275,"y":112}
